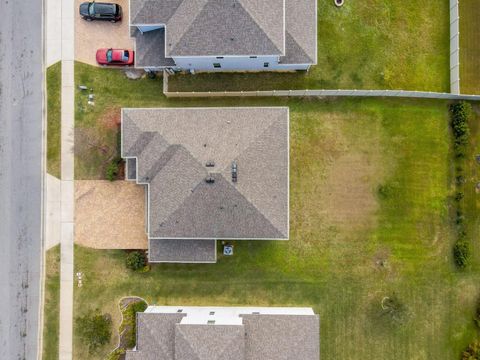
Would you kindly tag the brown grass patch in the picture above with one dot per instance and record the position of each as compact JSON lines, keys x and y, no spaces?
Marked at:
{"x":111,"y":118}
{"x":348,"y":191}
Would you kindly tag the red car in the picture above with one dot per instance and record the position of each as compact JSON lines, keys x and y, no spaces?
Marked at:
{"x":114,"y":57}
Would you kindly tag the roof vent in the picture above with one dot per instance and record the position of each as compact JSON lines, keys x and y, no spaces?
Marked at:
{"x":209,"y":179}
{"x":234,"y":171}
{"x":210,"y":164}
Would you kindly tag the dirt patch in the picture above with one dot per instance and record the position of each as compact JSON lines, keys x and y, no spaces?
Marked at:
{"x":348,"y":193}
{"x":111,"y":118}
{"x":110,"y":215}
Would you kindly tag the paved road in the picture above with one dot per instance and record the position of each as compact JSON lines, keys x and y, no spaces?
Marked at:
{"x":20,"y":176}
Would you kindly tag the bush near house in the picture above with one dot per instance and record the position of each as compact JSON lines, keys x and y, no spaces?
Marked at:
{"x":135,"y":260}
{"x":113,"y":169}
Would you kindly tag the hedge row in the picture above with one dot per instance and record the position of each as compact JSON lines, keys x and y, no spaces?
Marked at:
{"x":461,"y":114}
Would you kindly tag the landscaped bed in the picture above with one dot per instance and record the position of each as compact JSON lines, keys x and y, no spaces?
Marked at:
{"x":371,"y":192}
{"x":370,"y":44}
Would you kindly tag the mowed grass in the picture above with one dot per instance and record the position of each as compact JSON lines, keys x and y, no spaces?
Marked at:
{"x":470,"y":46}
{"x":51,"y":325}
{"x":369,"y":44}
{"x":54,"y":80}
{"x":370,"y":198}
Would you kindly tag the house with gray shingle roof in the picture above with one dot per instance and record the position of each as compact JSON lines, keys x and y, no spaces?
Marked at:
{"x":209,"y":173}
{"x":223,"y":35}
{"x":226,"y":333}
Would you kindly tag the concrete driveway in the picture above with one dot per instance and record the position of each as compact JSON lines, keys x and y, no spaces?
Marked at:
{"x":110,"y":215}
{"x":93,"y":35}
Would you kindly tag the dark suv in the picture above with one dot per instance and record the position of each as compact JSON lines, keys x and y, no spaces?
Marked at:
{"x":101,"y":11}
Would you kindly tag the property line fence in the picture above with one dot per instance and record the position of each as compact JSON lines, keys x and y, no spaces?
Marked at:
{"x":326,"y":93}
{"x":454,"y":47}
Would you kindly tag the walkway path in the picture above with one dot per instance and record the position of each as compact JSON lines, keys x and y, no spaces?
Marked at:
{"x":67,"y":189}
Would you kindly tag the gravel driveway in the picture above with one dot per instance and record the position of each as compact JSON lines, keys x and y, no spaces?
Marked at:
{"x":93,"y":35}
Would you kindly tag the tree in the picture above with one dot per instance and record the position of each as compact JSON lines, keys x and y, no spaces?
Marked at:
{"x":135,"y":260}
{"x":94,"y":329}
{"x":461,"y":253}
{"x":472,"y":352}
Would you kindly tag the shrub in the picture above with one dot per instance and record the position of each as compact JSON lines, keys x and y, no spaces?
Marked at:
{"x":135,"y":260}
{"x":112,"y":170}
{"x":472,"y":352}
{"x":94,"y":329}
{"x":385,"y":191}
{"x":461,"y":253}
{"x":459,"y":196}
{"x":461,"y":114}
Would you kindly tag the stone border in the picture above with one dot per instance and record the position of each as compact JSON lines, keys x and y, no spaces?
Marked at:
{"x":121,"y":322}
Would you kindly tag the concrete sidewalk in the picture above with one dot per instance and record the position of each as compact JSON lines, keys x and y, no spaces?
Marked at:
{"x":67,"y":188}
{"x":53,"y":31}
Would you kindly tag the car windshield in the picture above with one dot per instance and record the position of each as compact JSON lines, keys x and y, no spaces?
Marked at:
{"x":109,"y":55}
{"x":91,"y":9}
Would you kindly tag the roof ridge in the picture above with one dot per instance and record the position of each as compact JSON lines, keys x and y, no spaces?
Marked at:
{"x":261,"y":214}
{"x":261,"y":27}
{"x":185,"y":28}
{"x":298,"y":44}
{"x":150,"y":331}
{"x":225,"y":345}
{"x":179,"y":328}
{"x":273,"y":123}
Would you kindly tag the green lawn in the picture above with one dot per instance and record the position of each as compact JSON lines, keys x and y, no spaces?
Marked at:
{"x":54,"y":80}
{"x":52,"y":304}
{"x":371,"y":184}
{"x":470,"y":46}
{"x":368,"y":44}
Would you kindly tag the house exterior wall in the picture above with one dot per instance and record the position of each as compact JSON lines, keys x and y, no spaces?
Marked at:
{"x":232,"y":63}
{"x":206,"y":63}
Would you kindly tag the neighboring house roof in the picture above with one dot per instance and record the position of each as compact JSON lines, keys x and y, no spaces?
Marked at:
{"x":155,"y":336}
{"x":173,"y":147}
{"x":204,"y":342}
{"x":301,"y":32}
{"x":232,"y":27}
{"x":182,"y":250}
{"x":173,"y":336}
{"x":280,"y":336}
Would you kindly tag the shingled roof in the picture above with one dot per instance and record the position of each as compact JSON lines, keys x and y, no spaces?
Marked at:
{"x":172,"y":148}
{"x":255,"y":336}
{"x":233,"y":27}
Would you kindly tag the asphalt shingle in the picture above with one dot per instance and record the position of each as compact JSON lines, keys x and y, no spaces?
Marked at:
{"x":173,"y":161}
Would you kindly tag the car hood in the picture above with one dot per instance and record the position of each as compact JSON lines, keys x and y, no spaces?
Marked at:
{"x":84,"y":8}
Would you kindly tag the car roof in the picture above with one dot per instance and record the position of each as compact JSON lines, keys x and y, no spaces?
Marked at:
{"x":104,"y":8}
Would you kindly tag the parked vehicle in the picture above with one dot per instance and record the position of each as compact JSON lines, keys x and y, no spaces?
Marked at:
{"x":101,"y":11}
{"x":115,"y":57}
